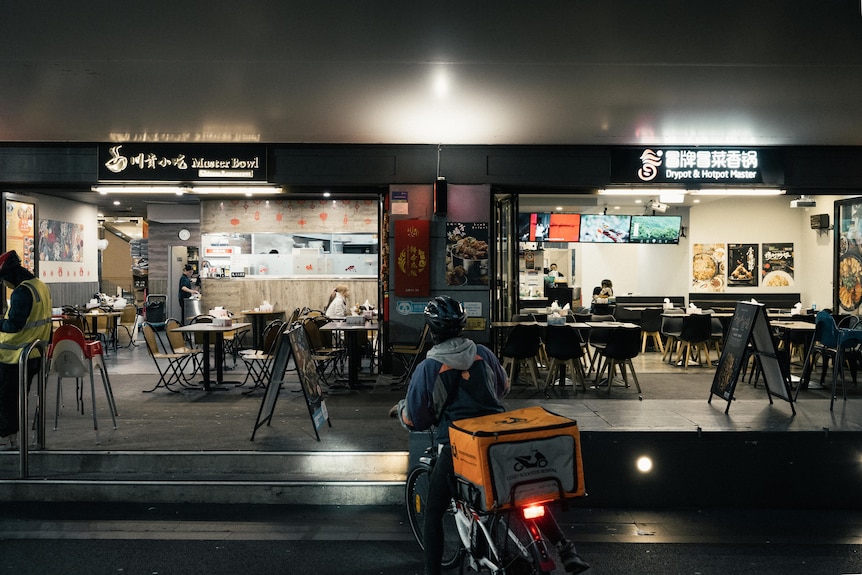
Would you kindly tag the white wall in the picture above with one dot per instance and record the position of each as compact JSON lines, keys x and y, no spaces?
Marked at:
{"x":51,"y":208}
{"x":636,"y":268}
{"x":666,"y":270}
{"x":771,"y":219}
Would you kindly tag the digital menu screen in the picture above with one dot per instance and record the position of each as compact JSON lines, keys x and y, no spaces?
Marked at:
{"x":598,"y":228}
{"x":655,"y":229}
{"x":564,"y":227}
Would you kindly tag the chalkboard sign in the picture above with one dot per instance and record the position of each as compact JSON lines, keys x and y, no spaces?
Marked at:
{"x":294,"y":343}
{"x":276,"y":378}
{"x":750,"y":325}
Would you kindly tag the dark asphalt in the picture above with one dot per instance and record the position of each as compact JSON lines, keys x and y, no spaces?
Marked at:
{"x":86,"y":539}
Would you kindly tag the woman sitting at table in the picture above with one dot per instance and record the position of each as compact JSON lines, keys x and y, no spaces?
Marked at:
{"x":337,"y":305}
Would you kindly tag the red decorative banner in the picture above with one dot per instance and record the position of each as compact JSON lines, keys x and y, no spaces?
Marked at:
{"x":412,"y":265}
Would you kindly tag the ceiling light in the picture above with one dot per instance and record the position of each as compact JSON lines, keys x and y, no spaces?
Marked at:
{"x":737,"y":192}
{"x":639,"y":191}
{"x":672,"y":197}
{"x":105,"y":190}
{"x":236,"y":190}
{"x":180,"y":190}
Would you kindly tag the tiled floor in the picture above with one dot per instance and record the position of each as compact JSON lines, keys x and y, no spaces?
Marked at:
{"x":672,"y":400}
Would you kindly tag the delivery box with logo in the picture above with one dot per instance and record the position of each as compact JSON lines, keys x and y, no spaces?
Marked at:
{"x":523,"y":456}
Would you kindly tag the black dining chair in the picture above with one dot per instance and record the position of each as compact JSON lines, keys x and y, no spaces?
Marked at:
{"x":651,"y":328}
{"x":522,"y":348}
{"x":696,"y":332}
{"x":671,"y":328}
{"x":564,"y":350}
{"x":622,"y":346}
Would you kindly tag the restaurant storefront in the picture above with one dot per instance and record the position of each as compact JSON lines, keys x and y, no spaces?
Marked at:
{"x":499,"y":179}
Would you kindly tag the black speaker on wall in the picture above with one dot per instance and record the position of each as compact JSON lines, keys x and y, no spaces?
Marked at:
{"x":441,"y":189}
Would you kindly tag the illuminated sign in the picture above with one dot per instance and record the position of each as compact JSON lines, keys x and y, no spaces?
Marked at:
{"x":182,"y":163}
{"x":696,"y":165}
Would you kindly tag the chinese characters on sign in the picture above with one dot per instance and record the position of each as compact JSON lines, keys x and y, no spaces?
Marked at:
{"x":466,"y":253}
{"x":715,"y":165}
{"x":173,"y":162}
{"x":412,"y":271}
{"x":695,"y":165}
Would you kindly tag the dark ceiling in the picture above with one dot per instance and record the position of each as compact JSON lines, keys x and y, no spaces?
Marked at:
{"x":592,"y":72}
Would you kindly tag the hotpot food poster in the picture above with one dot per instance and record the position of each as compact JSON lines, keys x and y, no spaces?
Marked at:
{"x":742,"y":265}
{"x":777,"y":268}
{"x":708,"y":268}
{"x":466,"y":253}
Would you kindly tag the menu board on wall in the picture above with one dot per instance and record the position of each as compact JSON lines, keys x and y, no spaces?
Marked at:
{"x":412,"y":253}
{"x":848,"y":268}
{"x":466,"y":253}
{"x":777,"y":270}
{"x":742,"y":263}
{"x":708,"y":268}
{"x":20,"y":233}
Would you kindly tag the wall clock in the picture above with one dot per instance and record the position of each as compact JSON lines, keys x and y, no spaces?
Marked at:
{"x":184,"y":234}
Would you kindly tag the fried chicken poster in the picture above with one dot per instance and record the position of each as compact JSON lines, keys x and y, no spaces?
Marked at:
{"x":742,"y":262}
{"x":466,"y":253}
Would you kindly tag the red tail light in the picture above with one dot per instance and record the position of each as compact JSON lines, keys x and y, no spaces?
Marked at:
{"x":534,"y":511}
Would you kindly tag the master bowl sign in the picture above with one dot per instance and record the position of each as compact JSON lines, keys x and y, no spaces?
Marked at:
{"x":688,"y":165}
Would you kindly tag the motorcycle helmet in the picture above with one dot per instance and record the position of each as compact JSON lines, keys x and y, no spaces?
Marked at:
{"x":445,"y":318}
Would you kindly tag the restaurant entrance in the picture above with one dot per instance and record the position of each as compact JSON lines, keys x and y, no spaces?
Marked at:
{"x":505,"y":290}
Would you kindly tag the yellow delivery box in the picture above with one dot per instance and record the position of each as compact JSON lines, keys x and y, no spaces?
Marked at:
{"x":517,"y":457}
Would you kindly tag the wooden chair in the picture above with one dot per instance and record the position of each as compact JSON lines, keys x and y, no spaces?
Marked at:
{"x":129,"y":324}
{"x":259,"y":361}
{"x":178,"y":345}
{"x":168,"y":365}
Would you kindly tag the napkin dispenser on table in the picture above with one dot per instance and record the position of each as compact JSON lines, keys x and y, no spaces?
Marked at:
{"x":222,"y":322}
{"x":354,"y":320}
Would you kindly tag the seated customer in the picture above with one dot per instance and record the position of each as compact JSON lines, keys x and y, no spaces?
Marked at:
{"x":337,"y":306}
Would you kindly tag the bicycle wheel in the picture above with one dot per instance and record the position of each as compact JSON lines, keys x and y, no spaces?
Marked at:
{"x":519,"y":551}
{"x":416,"y":491}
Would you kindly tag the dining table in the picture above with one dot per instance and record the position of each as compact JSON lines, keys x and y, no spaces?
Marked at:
{"x":352,"y":333}
{"x":258,"y":319}
{"x":210,"y":331}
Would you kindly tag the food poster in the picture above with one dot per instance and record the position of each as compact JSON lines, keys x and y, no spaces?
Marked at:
{"x":849,"y":268}
{"x":742,"y":262}
{"x":777,"y":270}
{"x":466,"y":253}
{"x":61,"y":241}
{"x":21,"y":232}
{"x":708,"y":269}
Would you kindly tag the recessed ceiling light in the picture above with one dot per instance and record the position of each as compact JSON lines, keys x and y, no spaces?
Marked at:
{"x":559,"y":208}
{"x":116,"y":202}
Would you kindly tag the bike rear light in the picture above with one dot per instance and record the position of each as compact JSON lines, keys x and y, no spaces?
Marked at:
{"x":534,"y":511}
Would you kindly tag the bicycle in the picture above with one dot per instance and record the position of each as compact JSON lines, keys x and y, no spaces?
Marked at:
{"x":505,"y":542}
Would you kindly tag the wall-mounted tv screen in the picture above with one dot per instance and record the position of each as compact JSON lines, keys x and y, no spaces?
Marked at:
{"x":534,"y":227}
{"x":655,"y":229}
{"x":604,"y":228}
{"x":564,"y":227}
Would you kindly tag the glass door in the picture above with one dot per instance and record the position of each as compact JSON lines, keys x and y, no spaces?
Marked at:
{"x":505,"y":289}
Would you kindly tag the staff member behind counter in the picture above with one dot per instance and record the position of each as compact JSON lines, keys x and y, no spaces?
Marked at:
{"x":186,"y":290}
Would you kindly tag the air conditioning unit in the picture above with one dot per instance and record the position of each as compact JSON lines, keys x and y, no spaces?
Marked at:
{"x":803,"y":202}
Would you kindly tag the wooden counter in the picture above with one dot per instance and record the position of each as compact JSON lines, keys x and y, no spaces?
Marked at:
{"x":237,"y":294}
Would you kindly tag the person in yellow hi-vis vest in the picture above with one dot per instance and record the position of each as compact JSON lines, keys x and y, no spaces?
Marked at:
{"x":27,"y":319}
